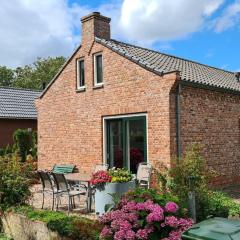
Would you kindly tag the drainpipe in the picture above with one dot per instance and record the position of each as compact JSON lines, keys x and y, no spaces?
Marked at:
{"x":178,"y":121}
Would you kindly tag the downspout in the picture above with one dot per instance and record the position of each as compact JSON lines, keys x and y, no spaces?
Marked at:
{"x":178,"y":121}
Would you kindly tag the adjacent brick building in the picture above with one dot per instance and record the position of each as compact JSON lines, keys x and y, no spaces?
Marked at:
{"x":17,"y":110}
{"x":122,"y":104}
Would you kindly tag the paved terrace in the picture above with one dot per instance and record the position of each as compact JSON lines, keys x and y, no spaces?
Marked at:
{"x":36,"y":202}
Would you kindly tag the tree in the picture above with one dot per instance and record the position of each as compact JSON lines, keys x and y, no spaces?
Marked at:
{"x":6,"y":76}
{"x":41,"y":71}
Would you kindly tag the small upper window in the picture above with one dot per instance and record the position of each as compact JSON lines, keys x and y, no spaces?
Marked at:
{"x":98,"y":69}
{"x":80,"y":74}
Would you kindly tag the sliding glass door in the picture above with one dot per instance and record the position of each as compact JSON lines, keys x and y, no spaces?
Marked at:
{"x":126,"y":142}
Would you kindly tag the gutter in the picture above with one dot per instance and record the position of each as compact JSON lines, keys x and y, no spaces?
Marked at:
{"x":178,"y":121}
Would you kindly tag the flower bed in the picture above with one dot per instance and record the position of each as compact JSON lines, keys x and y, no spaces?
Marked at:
{"x":150,"y":216}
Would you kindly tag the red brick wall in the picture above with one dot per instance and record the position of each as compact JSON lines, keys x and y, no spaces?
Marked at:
{"x":70,"y":123}
{"x":212,"y":120}
{"x":8,"y":127}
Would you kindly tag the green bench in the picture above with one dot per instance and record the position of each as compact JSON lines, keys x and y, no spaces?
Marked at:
{"x":66,"y":168}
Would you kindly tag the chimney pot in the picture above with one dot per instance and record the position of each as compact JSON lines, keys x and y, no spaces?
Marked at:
{"x":237,"y":74}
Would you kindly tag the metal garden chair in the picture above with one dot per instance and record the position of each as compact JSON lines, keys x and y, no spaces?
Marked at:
{"x":144,"y":174}
{"x":47,"y":186}
{"x":65,"y":190}
{"x":99,"y":167}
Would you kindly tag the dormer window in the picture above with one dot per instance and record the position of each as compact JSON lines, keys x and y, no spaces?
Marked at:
{"x":98,"y":69}
{"x":80,"y":74}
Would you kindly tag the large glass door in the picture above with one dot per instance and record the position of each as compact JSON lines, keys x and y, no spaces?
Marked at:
{"x":115,"y":143}
{"x":126,"y":142}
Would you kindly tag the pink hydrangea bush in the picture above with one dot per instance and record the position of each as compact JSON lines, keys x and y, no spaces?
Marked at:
{"x":144,"y":220}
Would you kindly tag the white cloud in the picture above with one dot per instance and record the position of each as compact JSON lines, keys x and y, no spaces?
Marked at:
{"x":154,"y":20}
{"x":33,"y":28}
{"x":229,"y":18}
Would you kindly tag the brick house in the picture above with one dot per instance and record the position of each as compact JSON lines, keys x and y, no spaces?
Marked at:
{"x":17,"y":110}
{"x":122,"y":104}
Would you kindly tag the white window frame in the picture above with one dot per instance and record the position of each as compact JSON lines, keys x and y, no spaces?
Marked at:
{"x":104,"y":133}
{"x":95,"y":70}
{"x":78,"y":75}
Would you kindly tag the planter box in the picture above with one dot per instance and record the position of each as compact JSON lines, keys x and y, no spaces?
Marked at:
{"x":19,"y":227}
{"x":103,"y":197}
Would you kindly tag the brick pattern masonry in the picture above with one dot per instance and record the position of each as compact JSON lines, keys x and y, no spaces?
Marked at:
{"x":70,"y":122}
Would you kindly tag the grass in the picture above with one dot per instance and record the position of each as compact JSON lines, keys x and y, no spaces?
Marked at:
{"x":4,"y":237}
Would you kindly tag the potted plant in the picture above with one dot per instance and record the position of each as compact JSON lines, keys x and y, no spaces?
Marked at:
{"x":115,"y":181}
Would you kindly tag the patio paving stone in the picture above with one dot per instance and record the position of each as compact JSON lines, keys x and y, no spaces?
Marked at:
{"x":80,"y":209}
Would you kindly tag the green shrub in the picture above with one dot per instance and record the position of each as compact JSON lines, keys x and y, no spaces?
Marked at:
{"x":22,"y":142}
{"x":8,"y":150}
{"x":2,"y":151}
{"x":33,"y":150}
{"x":217,"y":204}
{"x":208,"y":203}
{"x":4,"y":237}
{"x":14,"y":181}
{"x":73,"y":227}
{"x":142,"y":194}
{"x":192,"y":165}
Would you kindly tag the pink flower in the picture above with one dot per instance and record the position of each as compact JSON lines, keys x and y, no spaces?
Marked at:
{"x":171,"y":207}
{"x":156,"y":212}
{"x":171,"y":221}
{"x":106,"y":232}
{"x":122,"y":235}
{"x":120,"y":224}
{"x":144,"y":233}
{"x":175,"y":235}
{"x":141,"y":206}
{"x":119,"y":235}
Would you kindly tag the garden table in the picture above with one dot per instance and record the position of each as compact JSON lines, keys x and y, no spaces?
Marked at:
{"x":80,"y":178}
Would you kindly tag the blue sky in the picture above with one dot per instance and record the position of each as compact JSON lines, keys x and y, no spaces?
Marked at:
{"x":207,"y":31}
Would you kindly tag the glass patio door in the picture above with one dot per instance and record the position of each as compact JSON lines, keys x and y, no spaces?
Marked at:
{"x":126,"y":142}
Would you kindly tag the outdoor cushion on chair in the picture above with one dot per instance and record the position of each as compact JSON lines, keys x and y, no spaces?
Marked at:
{"x":68,"y":168}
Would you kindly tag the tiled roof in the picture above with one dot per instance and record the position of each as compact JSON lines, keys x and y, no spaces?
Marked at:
{"x":18,"y":103}
{"x":160,"y":63}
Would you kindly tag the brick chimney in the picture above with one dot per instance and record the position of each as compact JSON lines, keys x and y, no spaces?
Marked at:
{"x":95,"y":25}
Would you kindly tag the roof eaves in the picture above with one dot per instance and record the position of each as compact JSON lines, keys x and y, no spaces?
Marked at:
{"x":21,"y":89}
{"x":209,"y":87}
{"x":18,"y":118}
{"x":58,"y":73}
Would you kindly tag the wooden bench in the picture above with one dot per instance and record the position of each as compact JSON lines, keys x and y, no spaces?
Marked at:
{"x":66,"y":168}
